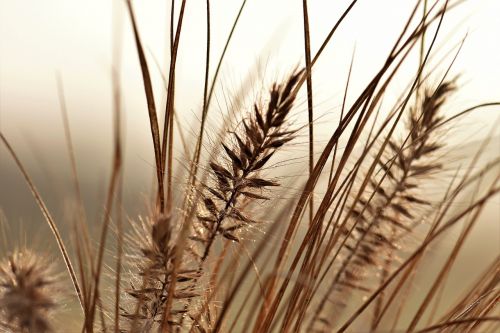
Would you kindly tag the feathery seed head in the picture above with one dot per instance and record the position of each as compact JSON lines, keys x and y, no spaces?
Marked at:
{"x":27,"y":293}
{"x":152,"y":251}
{"x":263,"y":133}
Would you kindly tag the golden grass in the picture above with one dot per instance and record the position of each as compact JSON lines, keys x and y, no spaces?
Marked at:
{"x":232,"y":252}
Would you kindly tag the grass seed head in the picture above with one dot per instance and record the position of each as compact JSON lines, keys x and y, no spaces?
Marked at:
{"x":27,"y":291}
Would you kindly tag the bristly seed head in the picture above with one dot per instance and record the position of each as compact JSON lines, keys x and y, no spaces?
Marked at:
{"x":152,"y":250}
{"x":27,"y":291}
{"x":263,"y":133}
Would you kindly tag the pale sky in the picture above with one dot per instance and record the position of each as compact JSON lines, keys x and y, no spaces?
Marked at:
{"x":74,"y":38}
{"x":38,"y":38}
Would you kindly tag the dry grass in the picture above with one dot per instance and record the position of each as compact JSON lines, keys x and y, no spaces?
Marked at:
{"x":233,"y":252}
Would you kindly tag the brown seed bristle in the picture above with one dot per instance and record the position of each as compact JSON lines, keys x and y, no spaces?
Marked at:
{"x":262,"y":135}
{"x":152,"y":251}
{"x":378,"y":219}
{"x":27,"y":291}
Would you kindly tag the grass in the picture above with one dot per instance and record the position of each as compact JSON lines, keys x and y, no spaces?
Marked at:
{"x":228,"y":249}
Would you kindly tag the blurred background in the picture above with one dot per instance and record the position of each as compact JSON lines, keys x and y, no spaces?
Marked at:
{"x":76,"y":39}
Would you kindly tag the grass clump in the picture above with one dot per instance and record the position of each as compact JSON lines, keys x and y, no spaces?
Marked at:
{"x":222,"y":251}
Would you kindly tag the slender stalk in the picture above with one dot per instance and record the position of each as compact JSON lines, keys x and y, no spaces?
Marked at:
{"x":48,"y":217}
{"x":307,"y":51}
{"x":153,"y":118}
{"x":168,"y":127}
